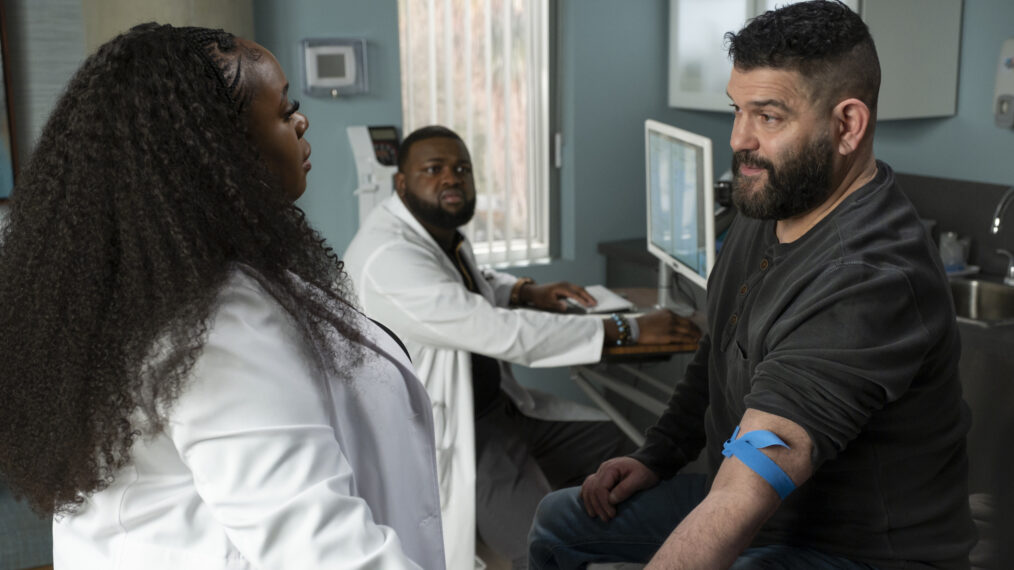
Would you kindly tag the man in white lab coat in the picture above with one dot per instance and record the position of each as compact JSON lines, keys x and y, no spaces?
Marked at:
{"x":416,"y":273}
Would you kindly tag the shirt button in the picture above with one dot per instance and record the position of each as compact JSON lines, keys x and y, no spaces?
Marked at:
{"x":742,"y":290}
{"x":764,"y":264}
{"x":733,"y":319}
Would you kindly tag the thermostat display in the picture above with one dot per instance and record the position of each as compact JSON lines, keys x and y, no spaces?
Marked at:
{"x":334,"y":67}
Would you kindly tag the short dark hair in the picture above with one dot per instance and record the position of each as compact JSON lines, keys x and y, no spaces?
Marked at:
{"x":421,"y":134}
{"x":823,"y":40}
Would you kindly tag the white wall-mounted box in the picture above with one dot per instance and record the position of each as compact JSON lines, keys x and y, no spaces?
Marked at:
{"x":1003,"y":94}
{"x":334,"y":67}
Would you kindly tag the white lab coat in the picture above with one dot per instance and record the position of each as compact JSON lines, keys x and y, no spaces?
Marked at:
{"x":265,"y":464}
{"x":405,"y":281}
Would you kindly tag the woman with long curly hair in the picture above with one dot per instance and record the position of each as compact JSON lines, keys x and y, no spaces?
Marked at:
{"x":185,"y":383}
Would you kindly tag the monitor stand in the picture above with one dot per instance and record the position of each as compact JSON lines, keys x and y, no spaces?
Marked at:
{"x":666,"y":298}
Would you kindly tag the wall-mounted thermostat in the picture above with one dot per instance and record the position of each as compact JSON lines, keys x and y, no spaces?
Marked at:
{"x":334,"y":67}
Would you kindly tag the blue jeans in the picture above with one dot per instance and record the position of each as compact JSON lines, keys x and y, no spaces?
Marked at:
{"x":564,"y":536}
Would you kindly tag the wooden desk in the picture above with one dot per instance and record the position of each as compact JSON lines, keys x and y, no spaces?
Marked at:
{"x":647,"y":350}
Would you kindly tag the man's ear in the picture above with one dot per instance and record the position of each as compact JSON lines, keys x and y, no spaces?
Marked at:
{"x":851,"y":121}
{"x":399,"y":183}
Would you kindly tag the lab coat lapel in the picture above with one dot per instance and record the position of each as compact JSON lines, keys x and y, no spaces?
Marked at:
{"x":398,"y":209}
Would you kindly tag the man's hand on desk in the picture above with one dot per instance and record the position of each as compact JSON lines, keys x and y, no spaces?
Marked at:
{"x":657,"y":327}
{"x":615,"y":481}
{"x":665,"y":327}
{"x":553,"y":296}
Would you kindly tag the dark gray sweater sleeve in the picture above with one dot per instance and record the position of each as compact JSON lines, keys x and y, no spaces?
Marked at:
{"x":678,"y":436}
{"x":852,"y":344}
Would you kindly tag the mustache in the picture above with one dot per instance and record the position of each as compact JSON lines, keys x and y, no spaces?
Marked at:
{"x":746,"y":158}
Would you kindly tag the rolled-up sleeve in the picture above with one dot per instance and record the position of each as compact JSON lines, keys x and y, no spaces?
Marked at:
{"x":849,"y":347}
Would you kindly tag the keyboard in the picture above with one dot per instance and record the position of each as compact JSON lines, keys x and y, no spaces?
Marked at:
{"x":608,"y":302}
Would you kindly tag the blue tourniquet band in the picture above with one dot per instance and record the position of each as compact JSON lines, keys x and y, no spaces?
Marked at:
{"x":746,"y":449}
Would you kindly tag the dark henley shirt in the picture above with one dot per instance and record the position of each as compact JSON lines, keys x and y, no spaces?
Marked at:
{"x":850,"y":332}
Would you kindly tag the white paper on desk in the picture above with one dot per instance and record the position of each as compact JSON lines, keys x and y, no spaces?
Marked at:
{"x":608,"y":302}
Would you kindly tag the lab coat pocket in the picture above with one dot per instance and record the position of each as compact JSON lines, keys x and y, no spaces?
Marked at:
{"x":444,"y":439}
{"x":444,"y":450}
{"x":139,"y":554}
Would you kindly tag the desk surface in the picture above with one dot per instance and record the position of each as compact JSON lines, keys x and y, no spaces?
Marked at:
{"x":645,"y":298}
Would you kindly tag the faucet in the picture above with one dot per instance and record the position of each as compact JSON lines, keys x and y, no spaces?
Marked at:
{"x":1005,"y":201}
{"x":1009,"y":278}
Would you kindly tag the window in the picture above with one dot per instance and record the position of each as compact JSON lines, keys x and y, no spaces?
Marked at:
{"x":481,"y":68}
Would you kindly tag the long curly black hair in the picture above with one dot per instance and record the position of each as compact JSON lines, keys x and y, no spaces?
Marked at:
{"x":144,"y":194}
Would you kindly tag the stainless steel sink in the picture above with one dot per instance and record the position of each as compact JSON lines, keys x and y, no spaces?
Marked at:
{"x":983,"y":303}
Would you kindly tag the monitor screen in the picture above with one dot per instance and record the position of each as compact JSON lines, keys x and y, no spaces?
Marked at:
{"x":681,"y":205}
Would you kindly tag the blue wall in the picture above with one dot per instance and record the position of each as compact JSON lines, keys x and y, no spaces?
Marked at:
{"x":280,"y":27}
{"x":612,"y":77}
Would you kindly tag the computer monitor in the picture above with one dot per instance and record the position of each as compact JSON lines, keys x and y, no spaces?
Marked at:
{"x":681,"y":203}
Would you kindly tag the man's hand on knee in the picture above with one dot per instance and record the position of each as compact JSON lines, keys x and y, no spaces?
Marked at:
{"x":615,"y":481}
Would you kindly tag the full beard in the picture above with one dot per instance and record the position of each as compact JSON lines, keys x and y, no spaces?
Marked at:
{"x":799,"y":185}
{"x":436,"y":216}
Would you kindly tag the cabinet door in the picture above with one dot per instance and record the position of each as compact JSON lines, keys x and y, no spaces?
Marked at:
{"x":918,"y":42}
{"x":765,"y":5}
{"x":698,"y":65}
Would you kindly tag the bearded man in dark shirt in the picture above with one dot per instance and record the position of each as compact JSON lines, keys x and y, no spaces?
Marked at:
{"x":826,"y":394}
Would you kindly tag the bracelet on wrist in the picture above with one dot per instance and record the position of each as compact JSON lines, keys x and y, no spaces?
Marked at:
{"x":623,"y":337}
{"x":515,"y":300}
